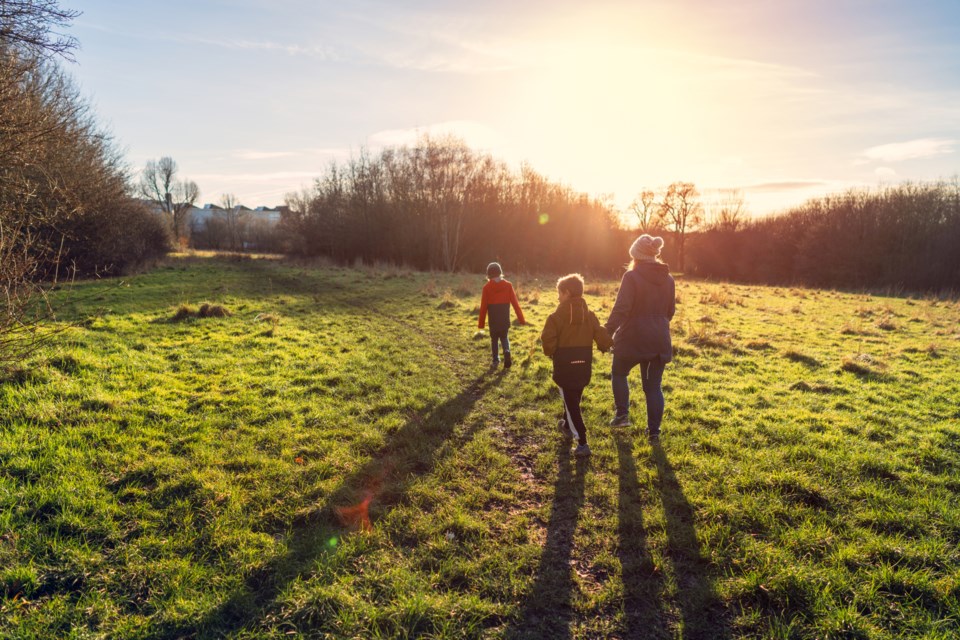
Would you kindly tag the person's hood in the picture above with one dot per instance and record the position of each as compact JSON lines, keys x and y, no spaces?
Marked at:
{"x":655,"y":273}
{"x":573,"y":311}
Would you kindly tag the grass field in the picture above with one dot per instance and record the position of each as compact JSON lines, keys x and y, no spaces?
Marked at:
{"x":333,"y":457}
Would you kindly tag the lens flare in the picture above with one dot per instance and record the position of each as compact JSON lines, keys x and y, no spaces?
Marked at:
{"x":544,"y":218}
{"x":357,"y":516}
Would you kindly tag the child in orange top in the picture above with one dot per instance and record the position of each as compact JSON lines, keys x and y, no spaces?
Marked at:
{"x":498,"y":295}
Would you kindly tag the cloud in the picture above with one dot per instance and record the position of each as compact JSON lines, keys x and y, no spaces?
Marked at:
{"x":433,"y":42}
{"x":885,"y":173}
{"x":263,"y":155}
{"x":900,"y":151}
{"x":291,"y":49}
{"x":323,"y":152}
{"x":787,"y":185}
{"x":256,"y":177}
{"x":338,"y":152}
{"x":322,"y":52}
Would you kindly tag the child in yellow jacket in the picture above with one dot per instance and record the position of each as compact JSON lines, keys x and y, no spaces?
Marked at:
{"x":568,"y":337}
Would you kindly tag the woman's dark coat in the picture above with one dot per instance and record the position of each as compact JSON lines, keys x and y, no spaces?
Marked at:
{"x":640,"y":320}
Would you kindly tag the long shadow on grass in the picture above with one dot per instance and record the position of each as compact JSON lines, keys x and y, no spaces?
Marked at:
{"x":642,"y":585}
{"x":547,"y":612}
{"x":410,"y":452}
{"x":701,"y":611}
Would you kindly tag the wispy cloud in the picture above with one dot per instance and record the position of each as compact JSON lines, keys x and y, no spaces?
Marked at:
{"x":292,"y":49}
{"x":263,"y":155}
{"x":322,"y":52}
{"x":900,"y":151}
{"x":308,"y":152}
{"x":257,"y":177}
{"x":788,"y":185}
{"x":431,"y":42}
{"x":885,"y":173}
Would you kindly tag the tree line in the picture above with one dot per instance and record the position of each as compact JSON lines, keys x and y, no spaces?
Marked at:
{"x":904,"y":237}
{"x":440,"y":205}
{"x":64,"y":203}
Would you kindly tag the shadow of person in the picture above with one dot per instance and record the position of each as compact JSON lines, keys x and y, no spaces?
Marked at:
{"x":701,"y":611}
{"x":547,"y":611}
{"x":411,"y":451}
{"x":642,"y":584}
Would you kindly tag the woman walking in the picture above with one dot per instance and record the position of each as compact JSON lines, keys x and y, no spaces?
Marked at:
{"x":640,"y":325}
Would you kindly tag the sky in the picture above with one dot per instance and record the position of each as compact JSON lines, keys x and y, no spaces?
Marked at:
{"x":784,"y":100}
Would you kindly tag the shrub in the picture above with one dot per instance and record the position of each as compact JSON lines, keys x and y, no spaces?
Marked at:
{"x":212,"y":311}
{"x":64,"y":208}
{"x":183,"y":312}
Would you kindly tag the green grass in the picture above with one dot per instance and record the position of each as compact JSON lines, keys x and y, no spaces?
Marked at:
{"x":167,"y":473}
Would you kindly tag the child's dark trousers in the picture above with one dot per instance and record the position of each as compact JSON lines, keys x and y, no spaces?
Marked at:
{"x":571,"y":411}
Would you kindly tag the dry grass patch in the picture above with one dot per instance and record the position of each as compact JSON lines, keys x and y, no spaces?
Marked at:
{"x":448,"y":301}
{"x":701,"y":335}
{"x":850,"y":329}
{"x":212,"y":311}
{"x":206,"y":310}
{"x":716,"y":297}
{"x":864,"y":365}
{"x":802,"y":358}
{"x":887,"y":324}
{"x":816,"y":387}
{"x":431,"y":289}
{"x":466,"y":288}
{"x":182,"y":313}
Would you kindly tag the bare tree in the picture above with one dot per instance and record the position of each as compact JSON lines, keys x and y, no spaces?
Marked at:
{"x":728,"y":212}
{"x":229,"y":201}
{"x":159,"y":183}
{"x":36,"y":111}
{"x":234,"y":220}
{"x":29,"y":25}
{"x":449,"y":168}
{"x":645,"y":207}
{"x":683,"y":212}
{"x":64,"y":208}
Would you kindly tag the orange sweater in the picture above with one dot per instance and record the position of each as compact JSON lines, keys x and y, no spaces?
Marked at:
{"x":497,"y":297}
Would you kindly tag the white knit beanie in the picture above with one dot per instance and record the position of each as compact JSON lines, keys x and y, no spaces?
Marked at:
{"x":646,"y":246}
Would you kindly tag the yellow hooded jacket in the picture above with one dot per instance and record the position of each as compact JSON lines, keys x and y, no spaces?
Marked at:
{"x":568,"y":337}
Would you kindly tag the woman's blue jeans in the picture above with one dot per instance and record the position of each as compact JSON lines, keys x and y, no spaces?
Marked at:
{"x":651,"y":374}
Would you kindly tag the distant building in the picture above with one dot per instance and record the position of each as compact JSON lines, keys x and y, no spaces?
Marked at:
{"x":214,"y":227}
{"x":199,"y":216}
{"x":267,"y":214}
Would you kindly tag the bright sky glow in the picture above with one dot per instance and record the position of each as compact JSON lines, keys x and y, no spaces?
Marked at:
{"x":785,"y":100}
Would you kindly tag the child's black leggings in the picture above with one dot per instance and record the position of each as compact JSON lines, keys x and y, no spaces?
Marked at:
{"x":571,"y":411}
